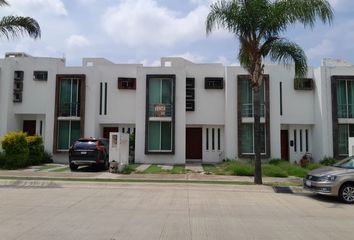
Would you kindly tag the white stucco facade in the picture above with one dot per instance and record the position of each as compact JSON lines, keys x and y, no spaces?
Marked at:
{"x":297,"y":121}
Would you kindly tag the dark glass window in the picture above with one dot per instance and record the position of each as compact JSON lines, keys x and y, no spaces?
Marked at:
{"x":40,"y":75}
{"x":214,"y":83}
{"x":127,"y":83}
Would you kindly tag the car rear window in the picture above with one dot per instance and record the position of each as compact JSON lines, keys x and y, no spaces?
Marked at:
{"x":90,"y":145}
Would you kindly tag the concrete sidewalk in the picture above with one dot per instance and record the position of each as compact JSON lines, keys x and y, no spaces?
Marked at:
{"x":193,"y":177}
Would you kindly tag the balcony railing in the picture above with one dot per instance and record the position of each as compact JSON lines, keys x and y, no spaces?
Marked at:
{"x":247,"y":110}
{"x":345,"y":111}
{"x":160,"y":110}
{"x":69,"y":109}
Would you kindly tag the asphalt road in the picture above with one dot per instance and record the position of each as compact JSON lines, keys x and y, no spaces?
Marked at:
{"x":43,"y":210}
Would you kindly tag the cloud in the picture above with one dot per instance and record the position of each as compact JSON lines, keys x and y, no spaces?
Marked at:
{"x":324,"y":49}
{"x":146,"y":23}
{"x":51,"y":7}
{"x":77,"y":41}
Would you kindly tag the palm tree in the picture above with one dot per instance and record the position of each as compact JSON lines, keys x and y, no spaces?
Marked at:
{"x":258,"y":25}
{"x":16,"y":26}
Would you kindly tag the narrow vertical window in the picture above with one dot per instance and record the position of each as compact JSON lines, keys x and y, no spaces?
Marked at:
{"x":101,"y":89}
{"x":307,"y":140}
{"x":213,"y":139}
{"x":300,"y":140}
{"x":219,"y":144}
{"x":295,"y":140}
{"x":105,"y":98}
{"x":123,"y":130}
{"x":281,"y":98}
{"x":41,"y":128}
{"x":207,"y":139}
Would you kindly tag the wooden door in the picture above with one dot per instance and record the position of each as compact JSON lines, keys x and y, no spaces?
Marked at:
{"x":285,"y":145}
{"x":29,"y":127}
{"x":194,"y":143}
{"x":107,"y":130}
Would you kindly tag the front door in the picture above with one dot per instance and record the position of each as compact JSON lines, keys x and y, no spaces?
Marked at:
{"x":194,"y":142}
{"x":285,"y":145}
{"x":29,"y":127}
{"x":107,"y":130}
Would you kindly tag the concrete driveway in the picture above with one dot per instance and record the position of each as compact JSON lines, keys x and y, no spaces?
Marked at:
{"x":56,"y":210}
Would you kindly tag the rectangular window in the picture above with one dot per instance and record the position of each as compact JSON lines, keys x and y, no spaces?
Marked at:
{"x":295,"y":141}
{"x":69,"y":100}
{"x":105,"y":98}
{"x":40,"y":75}
{"x":300,"y":140}
{"x":281,"y":98}
{"x":160,"y":114}
{"x":246,"y":96}
{"x":207,"y":139}
{"x":219,"y":139}
{"x":213,"y":139}
{"x":303,"y":83}
{"x":127,"y":83}
{"x":41,"y":128}
{"x":345,"y":99}
{"x":18,"y":75}
{"x":247,"y":136}
{"x":214,"y":83}
{"x":101,"y":92}
{"x":160,"y":136}
{"x":69,"y":132}
{"x":307,"y":139}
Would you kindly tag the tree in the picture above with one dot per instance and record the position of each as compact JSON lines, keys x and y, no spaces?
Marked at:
{"x":16,"y":26}
{"x":258,"y":25}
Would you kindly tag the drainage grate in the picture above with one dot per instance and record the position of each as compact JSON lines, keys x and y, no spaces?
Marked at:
{"x":282,"y":190}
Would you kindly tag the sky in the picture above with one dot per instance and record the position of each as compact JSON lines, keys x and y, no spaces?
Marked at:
{"x":143,"y":31}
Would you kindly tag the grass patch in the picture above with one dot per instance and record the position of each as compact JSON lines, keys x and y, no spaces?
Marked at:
{"x":210,"y":169}
{"x":63,"y":169}
{"x":178,"y":169}
{"x":47,"y":166}
{"x":153,"y":169}
{"x":270,"y":170}
{"x":130,"y":168}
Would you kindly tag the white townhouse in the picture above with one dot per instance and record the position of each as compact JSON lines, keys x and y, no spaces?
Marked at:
{"x":179,"y":111}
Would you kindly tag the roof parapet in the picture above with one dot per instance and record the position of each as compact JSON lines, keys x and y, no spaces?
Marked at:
{"x":333,"y":62}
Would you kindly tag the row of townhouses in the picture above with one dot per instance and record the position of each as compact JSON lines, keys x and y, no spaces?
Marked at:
{"x":179,"y":111}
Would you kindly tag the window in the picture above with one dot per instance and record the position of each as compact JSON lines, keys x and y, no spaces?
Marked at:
{"x":68,"y":133}
{"x":307,"y":139}
{"x":219,"y":147}
{"x":18,"y":75}
{"x":344,"y":132}
{"x":246,"y":96}
{"x":214,"y":83}
{"x":69,"y":97}
{"x":213,"y":139}
{"x":160,"y":114}
{"x":295,"y":141}
{"x":281,"y":98}
{"x":105,"y":98}
{"x":303,"y":83}
{"x":190,"y":94}
{"x":207,"y":139}
{"x":40,"y":75}
{"x":101,"y":94}
{"x":247,"y":138}
{"x":300,"y":140}
{"x":17,"y":97}
{"x":127,"y":83}
{"x":345,"y":99}
{"x":160,"y":136}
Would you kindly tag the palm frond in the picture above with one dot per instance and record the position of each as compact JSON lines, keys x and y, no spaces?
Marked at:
{"x":286,"y":52}
{"x":3,"y":3}
{"x":15,"y":26}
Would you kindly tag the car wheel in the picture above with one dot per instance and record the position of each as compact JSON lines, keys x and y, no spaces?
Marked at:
{"x":73,"y":167}
{"x":346,"y":193}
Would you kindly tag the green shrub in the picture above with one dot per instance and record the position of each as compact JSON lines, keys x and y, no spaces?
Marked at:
{"x":2,"y":159}
{"x":36,"y":149}
{"x":242,"y":169}
{"x":276,"y":161}
{"x":313,"y":166}
{"x":16,"y":150}
{"x":328,"y":161}
{"x":47,"y":157}
{"x":270,"y":170}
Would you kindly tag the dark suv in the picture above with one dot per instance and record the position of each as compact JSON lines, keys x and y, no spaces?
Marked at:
{"x":89,"y":152}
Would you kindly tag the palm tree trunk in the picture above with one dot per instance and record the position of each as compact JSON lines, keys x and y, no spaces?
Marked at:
{"x":257,"y":136}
